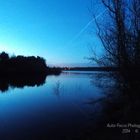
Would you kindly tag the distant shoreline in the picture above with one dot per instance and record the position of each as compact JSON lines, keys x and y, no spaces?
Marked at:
{"x":90,"y":69}
{"x":25,"y":65}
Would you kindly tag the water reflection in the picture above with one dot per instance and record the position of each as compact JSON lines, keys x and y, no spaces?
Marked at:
{"x":57,"y":88}
{"x":38,"y":113}
{"x":88,"y":103}
{"x":20,"y":81}
{"x":119,"y":108}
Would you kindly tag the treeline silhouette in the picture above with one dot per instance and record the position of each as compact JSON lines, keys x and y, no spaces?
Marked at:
{"x":24,"y":65}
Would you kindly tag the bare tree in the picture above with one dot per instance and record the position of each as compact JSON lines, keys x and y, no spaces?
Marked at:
{"x":120,"y":36}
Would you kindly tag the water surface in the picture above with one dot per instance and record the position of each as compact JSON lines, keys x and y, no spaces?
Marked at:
{"x":57,"y":109}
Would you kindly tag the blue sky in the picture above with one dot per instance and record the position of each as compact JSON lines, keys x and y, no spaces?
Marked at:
{"x":48,"y":28}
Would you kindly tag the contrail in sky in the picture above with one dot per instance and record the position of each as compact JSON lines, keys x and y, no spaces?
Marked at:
{"x":86,"y":26}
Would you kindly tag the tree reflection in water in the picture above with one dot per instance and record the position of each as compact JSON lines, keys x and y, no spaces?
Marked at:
{"x":120,"y":107}
{"x":20,"y":81}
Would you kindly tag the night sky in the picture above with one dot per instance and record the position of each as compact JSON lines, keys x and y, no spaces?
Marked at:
{"x":61,"y":31}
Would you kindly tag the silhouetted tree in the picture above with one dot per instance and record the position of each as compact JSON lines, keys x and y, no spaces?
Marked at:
{"x":121,"y":35}
{"x":4,"y":56}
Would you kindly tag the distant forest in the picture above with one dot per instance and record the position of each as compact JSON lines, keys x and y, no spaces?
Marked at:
{"x":24,"y":65}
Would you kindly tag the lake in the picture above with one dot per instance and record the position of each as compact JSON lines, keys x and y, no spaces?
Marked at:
{"x":57,"y":109}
